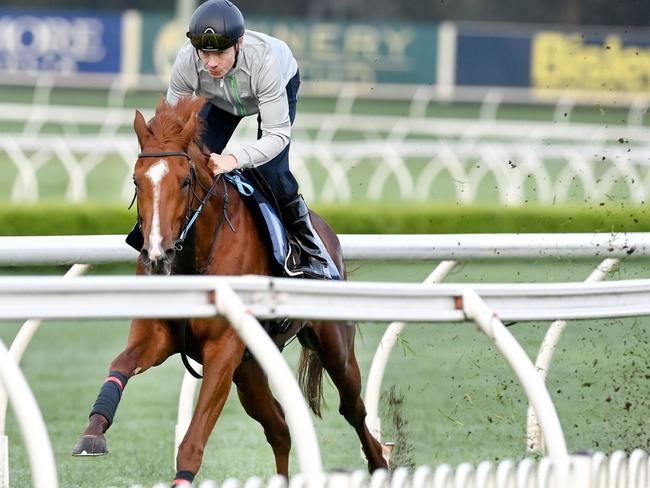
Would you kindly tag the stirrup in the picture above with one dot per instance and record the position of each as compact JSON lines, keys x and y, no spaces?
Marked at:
{"x":305,"y":270}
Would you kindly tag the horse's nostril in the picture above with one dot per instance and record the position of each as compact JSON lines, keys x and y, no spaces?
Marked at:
{"x":170,"y":254}
{"x":158,"y":263}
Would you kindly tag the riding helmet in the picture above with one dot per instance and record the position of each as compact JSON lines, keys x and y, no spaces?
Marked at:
{"x":216,"y":25}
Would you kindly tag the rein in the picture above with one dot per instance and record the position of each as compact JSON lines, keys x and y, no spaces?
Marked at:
{"x":192,"y":213}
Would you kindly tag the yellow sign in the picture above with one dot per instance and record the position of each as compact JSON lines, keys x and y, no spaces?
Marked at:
{"x":567,"y":62}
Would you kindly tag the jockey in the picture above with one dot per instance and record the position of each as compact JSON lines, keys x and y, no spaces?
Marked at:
{"x":242,"y":72}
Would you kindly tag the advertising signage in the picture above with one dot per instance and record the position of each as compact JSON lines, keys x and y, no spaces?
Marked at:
{"x":492,"y":59}
{"x":386,"y":52}
{"x":580,"y":60}
{"x":614,"y":61}
{"x":62,"y":42}
{"x":341,"y":51}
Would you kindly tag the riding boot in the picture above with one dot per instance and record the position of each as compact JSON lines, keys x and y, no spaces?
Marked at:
{"x":312,"y":262}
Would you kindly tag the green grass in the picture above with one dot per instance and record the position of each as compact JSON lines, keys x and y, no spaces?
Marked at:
{"x":460,"y":400}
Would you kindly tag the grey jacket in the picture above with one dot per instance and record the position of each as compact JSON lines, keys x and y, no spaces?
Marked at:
{"x":256,"y":84}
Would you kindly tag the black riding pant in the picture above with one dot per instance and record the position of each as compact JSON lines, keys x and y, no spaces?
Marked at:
{"x":220,"y":126}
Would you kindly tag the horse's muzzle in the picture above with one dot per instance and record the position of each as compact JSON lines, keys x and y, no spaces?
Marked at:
{"x":160,"y":266}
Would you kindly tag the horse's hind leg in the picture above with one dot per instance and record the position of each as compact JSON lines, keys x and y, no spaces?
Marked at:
{"x":257,"y":399}
{"x":335,"y":347}
{"x":150,"y":343}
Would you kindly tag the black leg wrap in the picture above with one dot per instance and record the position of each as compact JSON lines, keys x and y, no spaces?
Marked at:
{"x":109,"y":396}
{"x":183,"y":478}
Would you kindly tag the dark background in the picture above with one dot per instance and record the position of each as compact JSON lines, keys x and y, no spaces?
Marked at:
{"x":591,"y":12}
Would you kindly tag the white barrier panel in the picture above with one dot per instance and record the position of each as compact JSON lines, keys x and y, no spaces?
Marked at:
{"x":16,"y":251}
{"x":584,"y":471}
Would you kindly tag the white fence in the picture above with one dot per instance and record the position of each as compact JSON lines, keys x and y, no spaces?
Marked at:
{"x":584,"y":471}
{"x":48,"y":250}
{"x":270,"y":298}
{"x":408,"y":170}
{"x":555,"y":161}
{"x":18,"y":297}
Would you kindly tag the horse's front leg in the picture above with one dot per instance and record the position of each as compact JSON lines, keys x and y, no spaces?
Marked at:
{"x":150,"y":343}
{"x":221,"y":354}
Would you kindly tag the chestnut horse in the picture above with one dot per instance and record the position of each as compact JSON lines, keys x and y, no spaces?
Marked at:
{"x":172,"y":179}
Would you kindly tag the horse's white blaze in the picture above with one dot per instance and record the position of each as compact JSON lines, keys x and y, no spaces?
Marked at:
{"x":156,"y":173}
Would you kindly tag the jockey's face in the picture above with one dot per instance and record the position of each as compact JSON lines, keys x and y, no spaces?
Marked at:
{"x":218,"y":63}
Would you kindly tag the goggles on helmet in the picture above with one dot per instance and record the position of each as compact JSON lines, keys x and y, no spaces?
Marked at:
{"x":210,"y":41}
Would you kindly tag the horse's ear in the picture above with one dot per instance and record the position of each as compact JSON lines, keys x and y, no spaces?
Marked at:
{"x":190,"y":128}
{"x":141,"y":129}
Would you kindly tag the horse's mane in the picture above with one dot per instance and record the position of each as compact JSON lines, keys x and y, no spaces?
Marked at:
{"x":169,"y":123}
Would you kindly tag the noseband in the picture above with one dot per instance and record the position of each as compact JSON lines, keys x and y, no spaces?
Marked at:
{"x":192,"y":213}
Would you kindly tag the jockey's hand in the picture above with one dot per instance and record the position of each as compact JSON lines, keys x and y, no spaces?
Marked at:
{"x":223,"y":163}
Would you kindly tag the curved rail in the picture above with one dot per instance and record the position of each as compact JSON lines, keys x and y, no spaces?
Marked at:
{"x":271,"y":298}
{"x":382,"y":354}
{"x":545,"y":354}
{"x":57,"y":250}
{"x":30,"y":420}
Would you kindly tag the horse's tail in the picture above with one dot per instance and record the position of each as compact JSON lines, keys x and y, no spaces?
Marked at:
{"x":310,"y":377}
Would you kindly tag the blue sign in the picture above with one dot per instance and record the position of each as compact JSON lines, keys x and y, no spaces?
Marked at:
{"x":493,"y":60}
{"x":583,"y":59}
{"x":64,"y":42}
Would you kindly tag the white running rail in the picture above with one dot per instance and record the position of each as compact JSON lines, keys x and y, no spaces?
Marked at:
{"x":180,"y":296}
{"x":112,"y":297}
{"x":597,"y":470}
{"x":15,"y":353}
{"x":47,"y":250}
{"x":546,"y":350}
{"x":409,"y":170}
{"x":30,"y":420}
{"x":111,"y":248}
{"x":67,"y":249}
{"x":415,"y":152}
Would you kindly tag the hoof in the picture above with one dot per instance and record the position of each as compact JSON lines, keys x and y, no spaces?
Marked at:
{"x":90,"y":445}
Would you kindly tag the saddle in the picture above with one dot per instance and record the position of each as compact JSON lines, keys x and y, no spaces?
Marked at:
{"x":260,"y":199}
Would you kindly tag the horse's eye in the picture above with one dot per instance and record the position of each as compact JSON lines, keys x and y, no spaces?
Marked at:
{"x":135,"y":183}
{"x":186,"y":182}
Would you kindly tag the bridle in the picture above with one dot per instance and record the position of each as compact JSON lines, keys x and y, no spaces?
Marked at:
{"x":192,"y":213}
{"x":190,"y":217}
